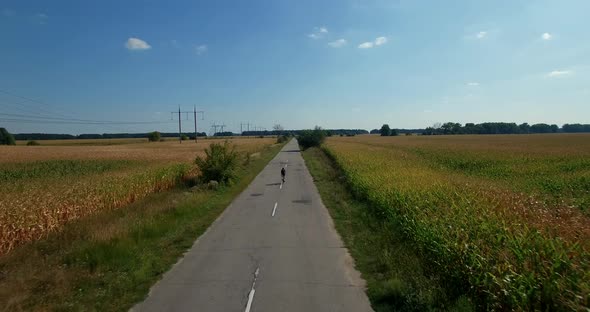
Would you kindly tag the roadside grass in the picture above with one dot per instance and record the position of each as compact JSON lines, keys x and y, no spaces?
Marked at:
{"x":109,"y":261}
{"x":397,"y":278}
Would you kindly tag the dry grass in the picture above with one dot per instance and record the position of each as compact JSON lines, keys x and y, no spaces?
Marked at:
{"x":71,"y":142}
{"x":159,"y":151}
{"x":45,"y":187}
{"x":503,"y":216}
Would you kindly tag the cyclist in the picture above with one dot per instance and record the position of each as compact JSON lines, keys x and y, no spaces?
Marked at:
{"x":283,"y":174}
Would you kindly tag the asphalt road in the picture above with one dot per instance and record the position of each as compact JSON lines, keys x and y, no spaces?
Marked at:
{"x":273,"y":249}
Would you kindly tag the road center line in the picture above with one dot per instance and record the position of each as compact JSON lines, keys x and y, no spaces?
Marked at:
{"x":281,"y":187}
{"x":274,"y":209}
{"x":252,"y":291}
{"x":250,"y":299}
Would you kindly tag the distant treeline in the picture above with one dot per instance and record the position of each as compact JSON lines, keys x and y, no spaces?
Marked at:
{"x":446,"y":128}
{"x":503,"y":128}
{"x":401,"y":131}
{"x":573,"y":128}
{"x":494,"y":128}
{"x":329,"y":132}
{"x":50,"y":136}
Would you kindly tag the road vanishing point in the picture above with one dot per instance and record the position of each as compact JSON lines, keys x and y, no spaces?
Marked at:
{"x":273,"y":249}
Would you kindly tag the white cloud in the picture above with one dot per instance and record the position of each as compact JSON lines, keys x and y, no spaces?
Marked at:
{"x":473,"y":84}
{"x":201,"y":49}
{"x":318,"y":32}
{"x":338,"y":43}
{"x":481,"y":34}
{"x":366,"y":45}
{"x":370,"y":44}
{"x":137,"y":44}
{"x":380,"y":41}
{"x":559,"y":73}
{"x":547,"y":36}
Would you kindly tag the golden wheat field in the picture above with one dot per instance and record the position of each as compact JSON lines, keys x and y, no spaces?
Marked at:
{"x":43,"y":187}
{"x":505,"y":217}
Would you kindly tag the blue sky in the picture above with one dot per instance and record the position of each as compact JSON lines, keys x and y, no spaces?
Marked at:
{"x":337,"y":64}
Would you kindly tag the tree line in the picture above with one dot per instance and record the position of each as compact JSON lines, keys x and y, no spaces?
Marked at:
{"x":328,"y":132}
{"x":189,"y":135}
{"x":501,"y":128}
{"x":486,"y":128}
{"x":52,"y":136}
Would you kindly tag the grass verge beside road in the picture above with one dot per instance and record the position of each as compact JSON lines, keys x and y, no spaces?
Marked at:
{"x":397,"y":278}
{"x":109,"y":261}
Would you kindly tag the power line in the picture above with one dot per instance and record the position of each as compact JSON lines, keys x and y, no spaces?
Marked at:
{"x":39,"y":115}
{"x":27,"y":99}
{"x":81,"y":120}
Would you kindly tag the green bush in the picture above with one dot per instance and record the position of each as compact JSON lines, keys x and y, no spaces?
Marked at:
{"x":385,"y":130}
{"x":219,"y":164}
{"x":311,"y":138}
{"x":154,"y":136}
{"x":282,"y":139}
{"x":184,"y":137}
{"x":33,"y":143}
{"x":6,"y":138}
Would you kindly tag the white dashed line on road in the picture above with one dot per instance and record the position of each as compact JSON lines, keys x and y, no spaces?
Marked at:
{"x":252,"y":291}
{"x":274,"y":209}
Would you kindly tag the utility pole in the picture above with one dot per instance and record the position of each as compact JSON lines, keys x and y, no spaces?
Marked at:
{"x":180,"y":121}
{"x":214,"y":126}
{"x":179,"y":126}
{"x":195,"y":111}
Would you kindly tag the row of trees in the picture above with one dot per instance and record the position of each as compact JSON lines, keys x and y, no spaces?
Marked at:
{"x":490,"y":128}
{"x":328,"y":132}
{"x":574,"y":128}
{"x":51,"y":136}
